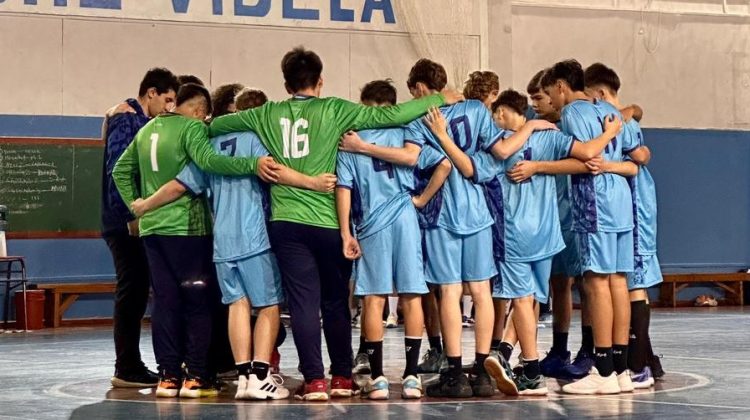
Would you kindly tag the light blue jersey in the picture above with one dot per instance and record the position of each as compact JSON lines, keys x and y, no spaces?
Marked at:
{"x":600,"y":203}
{"x":527,"y":220}
{"x":643,"y":189}
{"x":240,"y":204}
{"x":463,"y":209}
{"x":380,"y":190}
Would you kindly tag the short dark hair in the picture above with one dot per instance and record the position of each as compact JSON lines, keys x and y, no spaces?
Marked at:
{"x":428,"y":72}
{"x":512,"y":99}
{"x":379,"y":92}
{"x":301,"y":68}
{"x":190,"y":91}
{"x":598,"y":74}
{"x":222,"y":97}
{"x":481,"y":84}
{"x":535,"y":84}
{"x":250,"y":98}
{"x":160,"y":79}
{"x":569,"y":71}
{"x":189,"y":78}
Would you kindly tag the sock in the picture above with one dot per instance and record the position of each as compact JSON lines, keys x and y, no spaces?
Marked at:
{"x":639,"y":344}
{"x":467,"y":306}
{"x":436,"y":343}
{"x":604,"y":363}
{"x":495,"y":344}
{"x":531,"y":368}
{"x":393,"y":305}
{"x":587,"y":339}
{"x":506,"y":350}
{"x":244,"y":368}
{"x":454,"y":366}
{"x":479,"y":359}
{"x":559,"y":342}
{"x":260,"y":369}
{"x":620,"y":357}
{"x":375,"y":352}
{"x":361,"y":344}
{"x":412,"y":345}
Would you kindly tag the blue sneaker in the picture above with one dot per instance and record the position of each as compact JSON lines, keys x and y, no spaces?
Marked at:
{"x":580,"y":367}
{"x":643,"y":379}
{"x":554,"y":364}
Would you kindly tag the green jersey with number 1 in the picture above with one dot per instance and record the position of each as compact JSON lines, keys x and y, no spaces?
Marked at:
{"x":157,"y":154}
{"x":303,"y":133}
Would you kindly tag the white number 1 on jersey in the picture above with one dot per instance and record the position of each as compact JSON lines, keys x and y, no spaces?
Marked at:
{"x":154,"y":141}
{"x":296,"y":144}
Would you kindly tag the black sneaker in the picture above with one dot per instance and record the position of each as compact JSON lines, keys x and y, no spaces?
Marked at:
{"x":450,"y":387}
{"x":139,"y":379}
{"x":481,"y":385}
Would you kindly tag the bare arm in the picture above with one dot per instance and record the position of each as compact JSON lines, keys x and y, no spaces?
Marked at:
{"x":436,"y":182}
{"x":351,"y":248}
{"x":591,"y":149}
{"x":324,"y":183}
{"x":168,"y":193}
{"x":525,"y":169}
{"x":624,"y":168}
{"x":641,"y":155}
{"x":403,"y":156}
{"x":437,"y":124}
{"x":505,"y":148}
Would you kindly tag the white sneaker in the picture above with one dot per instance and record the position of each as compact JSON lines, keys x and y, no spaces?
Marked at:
{"x":392,"y":321}
{"x":269,"y":388}
{"x":593,"y":383}
{"x":376,"y":389}
{"x":241,"y":393}
{"x":626,"y":384}
{"x":411,"y":388}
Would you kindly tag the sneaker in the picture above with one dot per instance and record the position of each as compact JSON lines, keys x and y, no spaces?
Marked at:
{"x":411,"y":388}
{"x":275,"y":362}
{"x":655,"y":364}
{"x":518,"y":368}
{"x":361,"y":365}
{"x":168,"y":387}
{"x":266,"y":389}
{"x":342,"y":387}
{"x":376,"y":389}
{"x":594,"y":383}
{"x":580,"y":367}
{"x":316,"y":390}
{"x":141,"y":379}
{"x":643,"y":379}
{"x":554,"y":364}
{"x":626,"y":384}
{"x":392,"y":321}
{"x":450,"y":387}
{"x":195,"y":387}
{"x":481,"y":385}
{"x":241,"y":388}
{"x":500,"y":370}
{"x":431,"y":362}
{"x":535,"y":386}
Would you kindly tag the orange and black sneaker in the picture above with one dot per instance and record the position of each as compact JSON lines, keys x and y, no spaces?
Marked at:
{"x":316,"y":390}
{"x":342,"y":387}
{"x":168,"y":387}
{"x":195,"y":387}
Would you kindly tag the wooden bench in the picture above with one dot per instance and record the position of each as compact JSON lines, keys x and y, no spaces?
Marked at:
{"x":730,"y":282}
{"x":59,"y":297}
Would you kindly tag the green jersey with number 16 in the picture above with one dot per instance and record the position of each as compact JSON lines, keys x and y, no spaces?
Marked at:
{"x":303,"y":133}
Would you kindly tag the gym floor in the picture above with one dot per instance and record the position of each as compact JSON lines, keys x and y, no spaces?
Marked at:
{"x":64,"y":373}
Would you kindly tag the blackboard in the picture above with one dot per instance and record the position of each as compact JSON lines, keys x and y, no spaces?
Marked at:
{"x":51,"y":187}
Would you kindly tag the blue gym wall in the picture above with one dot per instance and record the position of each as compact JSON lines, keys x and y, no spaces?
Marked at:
{"x":703,"y":188}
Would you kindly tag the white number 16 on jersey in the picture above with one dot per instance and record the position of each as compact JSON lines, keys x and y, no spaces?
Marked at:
{"x":296,"y":144}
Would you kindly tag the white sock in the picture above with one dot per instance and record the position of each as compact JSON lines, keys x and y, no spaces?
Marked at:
{"x":467,"y":306}
{"x":393,"y":305}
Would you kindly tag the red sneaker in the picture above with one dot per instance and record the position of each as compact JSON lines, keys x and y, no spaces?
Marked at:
{"x":316,"y":390}
{"x":342,"y":387}
{"x":275,"y":361}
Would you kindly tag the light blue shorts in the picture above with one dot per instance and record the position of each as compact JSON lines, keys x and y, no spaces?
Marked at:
{"x":392,"y":259}
{"x":521,"y":279}
{"x":567,"y":261}
{"x":454,"y":258}
{"x":646,"y":272}
{"x":605,"y":252}
{"x":256,"y":278}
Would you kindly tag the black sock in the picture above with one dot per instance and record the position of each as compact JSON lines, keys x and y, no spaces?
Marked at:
{"x":639,"y":346}
{"x":454,"y":366}
{"x":260,"y":369}
{"x":411,"y":345}
{"x":620,"y":357}
{"x":375,"y":354}
{"x":559,"y":342}
{"x":587,"y":339}
{"x":479,"y":359}
{"x":531,"y":368}
{"x":604,"y":363}
{"x":495,"y":344}
{"x":244,"y":369}
{"x":361,"y":344}
{"x":436,"y":343}
{"x":506,"y":349}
